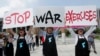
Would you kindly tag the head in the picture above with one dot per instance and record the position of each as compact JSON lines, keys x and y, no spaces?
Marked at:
{"x":11,"y":35}
{"x":49,"y":30}
{"x":22,"y":32}
{"x":80,"y":31}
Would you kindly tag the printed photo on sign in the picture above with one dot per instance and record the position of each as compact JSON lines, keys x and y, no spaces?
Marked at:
{"x":80,"y":15}
{"x":49,"y":17}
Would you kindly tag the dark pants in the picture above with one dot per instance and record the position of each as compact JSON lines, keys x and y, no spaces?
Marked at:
{"x":31,"y":44}
{"x":37,"y":41}
{"x":41,"y":40}
{"x":91,"y":44}
{"x":1,"y":52}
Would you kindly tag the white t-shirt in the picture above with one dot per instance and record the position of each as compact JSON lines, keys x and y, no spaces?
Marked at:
{"x":30,"y":39}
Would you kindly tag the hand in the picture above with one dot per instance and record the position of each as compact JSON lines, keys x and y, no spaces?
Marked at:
{"x":10,"y":31}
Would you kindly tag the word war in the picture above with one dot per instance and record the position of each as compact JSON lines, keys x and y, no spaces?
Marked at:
{"x":48,"y":17}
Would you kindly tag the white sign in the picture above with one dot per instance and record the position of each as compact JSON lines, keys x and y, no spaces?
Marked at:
{"x":18,"y":18}
{"x":49,"y":17}
{"x":80,"y":15}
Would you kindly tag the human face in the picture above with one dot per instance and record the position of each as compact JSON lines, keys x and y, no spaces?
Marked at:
{"x":21,"y":33}
{"x":49,"y":30}
{"x":80,"y":32}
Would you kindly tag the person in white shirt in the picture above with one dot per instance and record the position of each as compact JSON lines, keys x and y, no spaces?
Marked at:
{"x":41,"y":35}
{"x":92,"y":42}
{"x":63,"y":35}
{"x":81,"y":40}
{"x":31,"y":42}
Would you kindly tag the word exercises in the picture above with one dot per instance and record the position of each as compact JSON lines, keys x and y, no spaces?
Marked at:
{"x":80,"y":15}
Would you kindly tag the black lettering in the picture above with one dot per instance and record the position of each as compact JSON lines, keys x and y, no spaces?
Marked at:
{"x":49,"y":16}
{"x":41,"y":18}
{"x":57,"y":16}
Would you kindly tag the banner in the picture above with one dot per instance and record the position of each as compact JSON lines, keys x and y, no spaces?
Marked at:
{"x":49,"y":17}
{"x":80,"y":15}
{"x":18,"y":18}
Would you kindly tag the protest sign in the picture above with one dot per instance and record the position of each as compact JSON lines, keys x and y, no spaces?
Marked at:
{"x":18,"y":18}
{"x":80,"y":15}
{"x":49,"y":17}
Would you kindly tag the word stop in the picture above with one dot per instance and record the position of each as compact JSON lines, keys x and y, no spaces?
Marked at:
{"x":17,"y":18}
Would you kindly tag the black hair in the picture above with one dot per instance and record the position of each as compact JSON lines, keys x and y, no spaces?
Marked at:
{"x":12,"y":35}
{"x":80,"y":29}
{"x":49,"y":28}
{"x":21,"y":30}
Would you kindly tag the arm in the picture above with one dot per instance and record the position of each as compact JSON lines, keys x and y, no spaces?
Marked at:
{"x":28,"y":34}
{"x":71,"y":31}
{"x":92,"y":28}
{"x":12,"y":32}
{"x":56,"y":31}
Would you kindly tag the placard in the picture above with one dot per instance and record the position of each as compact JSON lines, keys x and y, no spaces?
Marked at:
{"x":49,"y":17}
{"x":18,"y":18}
{"x":80,"y":15}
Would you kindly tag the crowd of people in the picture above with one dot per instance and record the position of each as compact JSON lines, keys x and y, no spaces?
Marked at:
{"x":26,"y":41}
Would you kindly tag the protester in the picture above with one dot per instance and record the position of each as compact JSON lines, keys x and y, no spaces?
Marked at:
{"x":41,"y":36}
{"x":92,"y":42}
{"x":5,"y":41}
{"x":9,"y":49}
{"x":31,"y":42}
{"x":22,"y":47}
{"x":49,"y":45}
{"x":81,"y":40}
{"x":36,"y":35}
{"x":1,"y":44}
{"x":63,"y":36}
